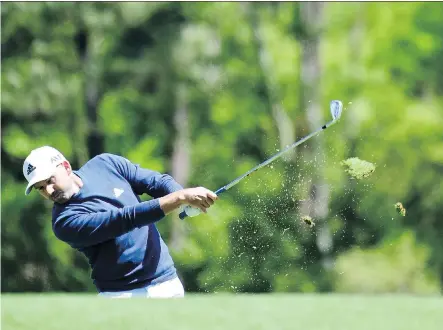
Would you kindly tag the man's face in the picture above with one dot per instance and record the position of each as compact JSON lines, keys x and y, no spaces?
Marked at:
{"x":58,"y":187}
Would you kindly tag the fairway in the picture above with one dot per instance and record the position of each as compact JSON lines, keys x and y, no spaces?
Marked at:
{"x":223,"y":311}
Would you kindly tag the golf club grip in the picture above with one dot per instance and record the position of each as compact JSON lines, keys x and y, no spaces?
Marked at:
{"x":183,"y":214}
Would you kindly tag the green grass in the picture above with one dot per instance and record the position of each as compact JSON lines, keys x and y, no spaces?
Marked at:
{"x":223,"y":311}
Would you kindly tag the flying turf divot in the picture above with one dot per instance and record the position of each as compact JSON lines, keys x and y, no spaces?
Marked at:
{"x":358,"y":168}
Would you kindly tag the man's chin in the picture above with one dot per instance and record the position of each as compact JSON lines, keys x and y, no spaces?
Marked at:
{"x":60,"y":200}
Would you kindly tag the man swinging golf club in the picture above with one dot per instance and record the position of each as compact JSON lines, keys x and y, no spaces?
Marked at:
{"x":97,"y":210}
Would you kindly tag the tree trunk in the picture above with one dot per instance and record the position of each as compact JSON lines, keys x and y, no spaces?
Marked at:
{"x":86,"y":39}
{"x":282,"y":120}
{"x":317,"y":202}
{"x":95,"y":138}
{"x":180,"y":161}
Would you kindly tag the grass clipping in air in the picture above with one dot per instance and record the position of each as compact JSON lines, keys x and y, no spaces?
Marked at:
{"x":357,"y":168}
{"x":308,"y":220}
{"x":400,"y":209}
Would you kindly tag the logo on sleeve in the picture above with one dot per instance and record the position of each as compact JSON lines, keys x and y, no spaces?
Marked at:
{"x":118,"y":192}
{"x":30,"y":169}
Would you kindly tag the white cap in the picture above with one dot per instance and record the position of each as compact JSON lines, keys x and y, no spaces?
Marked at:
{"x":40,"y":165}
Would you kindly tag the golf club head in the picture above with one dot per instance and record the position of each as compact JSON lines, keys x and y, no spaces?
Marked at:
{"x":336,"y":109}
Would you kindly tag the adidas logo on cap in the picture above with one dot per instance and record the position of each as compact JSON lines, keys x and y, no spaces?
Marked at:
{"x":30,"y":169}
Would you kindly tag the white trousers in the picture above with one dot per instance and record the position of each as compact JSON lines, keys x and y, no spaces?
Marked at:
{"x":169,"y":289}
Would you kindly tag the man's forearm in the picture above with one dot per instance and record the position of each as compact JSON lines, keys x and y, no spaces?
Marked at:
{"x":172,"y":201}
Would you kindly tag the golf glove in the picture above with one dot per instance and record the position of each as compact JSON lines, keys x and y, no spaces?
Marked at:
{"x":191,"y":211}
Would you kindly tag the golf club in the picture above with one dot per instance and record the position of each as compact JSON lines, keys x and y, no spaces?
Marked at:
{"x":336,"y":108}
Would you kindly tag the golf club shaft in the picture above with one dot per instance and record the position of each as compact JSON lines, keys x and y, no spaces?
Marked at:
{"x":272,"y":158}
{"x":221,"y":190}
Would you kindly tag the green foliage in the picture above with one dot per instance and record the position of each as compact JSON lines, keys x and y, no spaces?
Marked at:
{"x":110,"y":77}
{"x":396,"y":265}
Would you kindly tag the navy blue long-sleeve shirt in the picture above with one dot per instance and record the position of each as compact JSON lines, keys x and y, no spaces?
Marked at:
{"x":107,"y":221}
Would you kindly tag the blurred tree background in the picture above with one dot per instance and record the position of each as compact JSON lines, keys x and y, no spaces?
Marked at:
{"x":205,"y":91}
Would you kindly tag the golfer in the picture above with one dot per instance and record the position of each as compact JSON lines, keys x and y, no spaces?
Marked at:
{"x":97,"y":210}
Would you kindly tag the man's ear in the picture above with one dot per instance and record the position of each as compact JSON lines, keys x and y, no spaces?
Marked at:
{"x":67,"y":166}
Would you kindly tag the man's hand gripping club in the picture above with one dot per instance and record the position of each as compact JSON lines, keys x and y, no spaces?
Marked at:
{"x":192,"y":200}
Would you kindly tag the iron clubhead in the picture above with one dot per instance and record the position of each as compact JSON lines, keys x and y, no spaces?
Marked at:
{"x":336,"y":109}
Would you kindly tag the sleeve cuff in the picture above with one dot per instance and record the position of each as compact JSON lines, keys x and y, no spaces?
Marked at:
{"x":148,"y":212}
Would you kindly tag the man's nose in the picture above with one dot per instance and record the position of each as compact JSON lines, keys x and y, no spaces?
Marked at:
{"x":49,"y":189}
